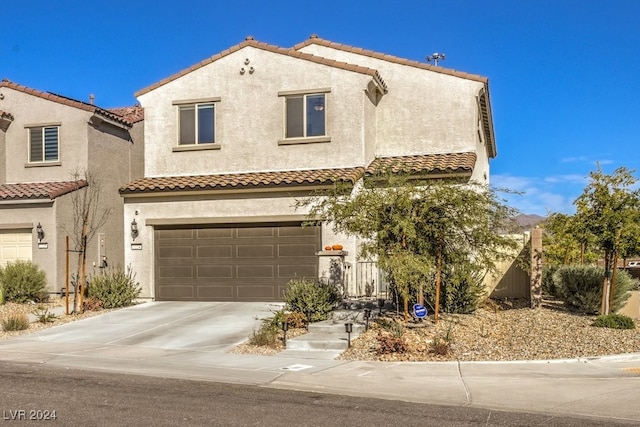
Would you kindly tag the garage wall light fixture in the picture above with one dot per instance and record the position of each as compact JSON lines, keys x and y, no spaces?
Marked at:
{"x":39,"y":232}
{"x":134,"y":229}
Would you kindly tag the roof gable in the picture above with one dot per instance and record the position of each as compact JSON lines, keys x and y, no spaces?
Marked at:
{"x":49,"y":96}
{"x":314,"y":39}
{"x":249,"y":41}
{"x":483,"y":96}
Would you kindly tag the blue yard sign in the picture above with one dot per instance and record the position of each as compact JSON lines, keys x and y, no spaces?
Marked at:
{"x":419,"y":311}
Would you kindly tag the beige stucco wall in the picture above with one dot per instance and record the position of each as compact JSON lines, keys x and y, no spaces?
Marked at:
{"x":32,"y":110}
{"x":424,"y":112}
{"x":250,"y":116}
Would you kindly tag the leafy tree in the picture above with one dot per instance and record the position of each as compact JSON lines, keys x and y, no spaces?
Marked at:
{"x":609,"y":208}
{"x":417,"y":228}
{"x":566,"y":241}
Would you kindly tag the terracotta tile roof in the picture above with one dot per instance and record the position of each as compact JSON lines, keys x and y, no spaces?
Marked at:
{"x":249,"y":41}
{"x":314,"y":39}
{"x":425,"y":164}
{"x":39,"y":190}
{"x":243,"y":181}
{"x":132,"y":114}
{"x":66,"y":101}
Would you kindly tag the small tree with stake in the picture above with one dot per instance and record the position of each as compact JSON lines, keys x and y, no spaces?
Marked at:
{"x":88,"y":217}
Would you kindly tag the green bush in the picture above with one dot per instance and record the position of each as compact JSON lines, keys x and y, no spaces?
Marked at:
{"x":614,"y":321}
{"x":462,"y":290}
{"x":114,"y":287}
{"x":580,"y":288}
{"x":318,"y":298}
{"x":2,"y":299}
{"x":18,"y":322}
{"x":549,"y":288}
{"x":23,"y":281}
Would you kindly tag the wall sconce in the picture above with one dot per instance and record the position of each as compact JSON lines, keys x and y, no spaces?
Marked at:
{"x":134,"y":229}
{"x":39,"y":232}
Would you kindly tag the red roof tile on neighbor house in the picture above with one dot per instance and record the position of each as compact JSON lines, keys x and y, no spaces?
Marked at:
{"x":425,"y":164}
{"x":132,"y":114}
{"x":314,"y":39}
{"x":65,"y":101}
{"x":249,"y":41}
{"x":39,"y":190}
{"x":244,"y":181}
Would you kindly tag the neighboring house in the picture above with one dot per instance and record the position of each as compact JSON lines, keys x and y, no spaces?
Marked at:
{"x":44,"y":140}
{"x":232,"y":142}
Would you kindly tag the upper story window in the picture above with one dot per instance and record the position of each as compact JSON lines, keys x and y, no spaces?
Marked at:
{"x":305,"y":115}
{"x":196,"y":124}
{"x":43,"y":144}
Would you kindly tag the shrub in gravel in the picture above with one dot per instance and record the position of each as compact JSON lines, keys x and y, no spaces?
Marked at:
{"x":297,"y":320}
{"x":614,"y":321}
{"x":390,"y":343}
{"x":17,"y":322}
{"x":91,"y":304}
{"x":23,"y":281}
{"x":114,"y":287}
{"x":314,"y":297}
{"x":580,"y":288}
{"x":462,"y":289}
{"x":549,"y":288}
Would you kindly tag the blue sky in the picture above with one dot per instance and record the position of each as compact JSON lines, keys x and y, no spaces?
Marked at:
{"x":564,"y":74}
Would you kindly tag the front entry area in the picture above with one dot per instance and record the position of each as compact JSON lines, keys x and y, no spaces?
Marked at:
{"x":233,"y":262}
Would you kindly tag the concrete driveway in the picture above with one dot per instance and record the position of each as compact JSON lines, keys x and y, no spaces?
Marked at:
{"x":203,"y":326}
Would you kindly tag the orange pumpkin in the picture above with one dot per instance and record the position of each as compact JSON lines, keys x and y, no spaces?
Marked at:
{"x":336,"y":247}
{"x":327,"y":248}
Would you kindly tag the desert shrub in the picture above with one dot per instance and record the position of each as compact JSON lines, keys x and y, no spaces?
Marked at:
{"x":316,"y":297}
{"x":17,"y":322}
{"x":614,"y":321}
{"x":23,"y":281}
{"x":2,"y":299}
{"x":91,"y":304}
{"x":297,"y":320}
{"x":268,"y":333}
{"x":441,"y":344}
{"x":580,"y":288}
{"x":114,"y":287}
{"x":549,"y":288}
{"x":43,"y":315}
{"x":462,"y":289}
{"x":389,"y":343}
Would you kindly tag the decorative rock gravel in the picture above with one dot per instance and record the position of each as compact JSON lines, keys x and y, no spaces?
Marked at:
{"x":505,"y":335}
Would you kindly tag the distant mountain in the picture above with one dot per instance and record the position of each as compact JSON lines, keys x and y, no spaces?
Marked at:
{"x":529,"y":221}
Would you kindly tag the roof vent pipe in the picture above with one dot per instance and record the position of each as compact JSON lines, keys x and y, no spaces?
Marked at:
{"x":91,"y":98}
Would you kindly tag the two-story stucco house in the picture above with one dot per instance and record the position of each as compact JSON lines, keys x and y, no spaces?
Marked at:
{"x":233,"y":141}
{"x":46,"y":139}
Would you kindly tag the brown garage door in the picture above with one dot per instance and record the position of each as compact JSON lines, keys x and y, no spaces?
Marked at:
{"x":233,"y":263}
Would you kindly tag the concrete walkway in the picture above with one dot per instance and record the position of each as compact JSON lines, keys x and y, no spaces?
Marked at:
{"x":190,"y":341}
